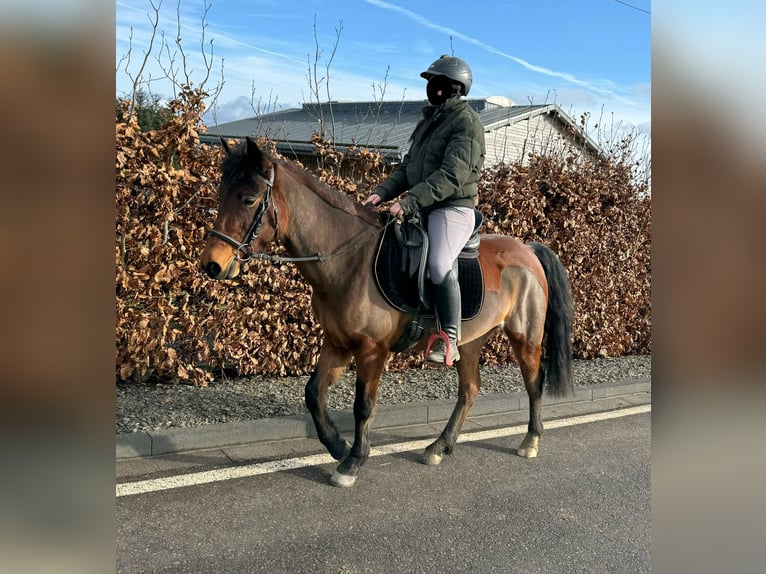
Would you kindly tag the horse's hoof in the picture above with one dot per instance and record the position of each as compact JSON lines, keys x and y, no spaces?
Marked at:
{"x":432,"y":459}
{"x":527,"y":452}
{"x":342,"y":480}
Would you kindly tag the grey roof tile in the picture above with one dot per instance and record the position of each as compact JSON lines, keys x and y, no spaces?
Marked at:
{"x":385,"y":126}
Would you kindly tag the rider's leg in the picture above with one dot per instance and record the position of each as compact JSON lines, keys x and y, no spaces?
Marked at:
{"x":448,"y":230}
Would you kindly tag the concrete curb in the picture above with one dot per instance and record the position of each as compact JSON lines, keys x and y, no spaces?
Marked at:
{"x":148,"y":444}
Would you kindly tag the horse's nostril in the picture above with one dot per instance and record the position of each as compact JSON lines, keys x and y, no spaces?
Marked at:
{"x":213,"y":269}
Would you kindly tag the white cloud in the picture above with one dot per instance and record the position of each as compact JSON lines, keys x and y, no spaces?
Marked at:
{"x":230,"y":111}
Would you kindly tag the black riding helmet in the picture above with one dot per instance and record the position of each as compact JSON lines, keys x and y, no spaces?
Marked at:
{"x":454,"y":68}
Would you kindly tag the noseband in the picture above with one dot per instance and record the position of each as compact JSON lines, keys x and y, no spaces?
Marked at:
{"x":245,"y":248}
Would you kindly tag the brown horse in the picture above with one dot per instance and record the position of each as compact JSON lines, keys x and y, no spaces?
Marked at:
{"x":332,"y":239}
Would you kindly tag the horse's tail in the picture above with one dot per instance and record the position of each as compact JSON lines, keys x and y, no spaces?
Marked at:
{"x":558,"y":323}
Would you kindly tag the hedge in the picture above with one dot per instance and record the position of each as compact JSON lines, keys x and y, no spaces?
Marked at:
{"x":175,"y":324}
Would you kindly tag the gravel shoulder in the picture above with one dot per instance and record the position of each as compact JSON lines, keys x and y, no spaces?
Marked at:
{"x":153,"y":407}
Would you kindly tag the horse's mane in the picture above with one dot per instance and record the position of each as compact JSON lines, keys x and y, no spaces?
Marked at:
{"x":235,"y":168}
{"x":329,"y":194}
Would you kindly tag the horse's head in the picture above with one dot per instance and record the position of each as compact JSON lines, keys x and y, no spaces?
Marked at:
{"x":244,"y":204}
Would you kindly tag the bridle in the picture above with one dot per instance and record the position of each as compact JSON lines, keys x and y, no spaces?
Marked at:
{"x":244,"y":250}
{"x":246,"y":246}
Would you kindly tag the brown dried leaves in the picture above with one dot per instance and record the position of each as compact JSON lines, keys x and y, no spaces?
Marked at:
{"x":175,"y":324}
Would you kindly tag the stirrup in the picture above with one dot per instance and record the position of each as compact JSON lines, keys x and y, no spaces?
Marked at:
{"x":435,"y":357}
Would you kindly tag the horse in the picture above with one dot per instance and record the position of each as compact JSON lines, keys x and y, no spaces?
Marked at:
{"x":331,"y":238}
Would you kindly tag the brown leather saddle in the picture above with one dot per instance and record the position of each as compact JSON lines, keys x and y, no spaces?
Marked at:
{"x":401,"y":274}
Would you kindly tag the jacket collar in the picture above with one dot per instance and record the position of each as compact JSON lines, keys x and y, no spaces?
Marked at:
{"x":431,"y":116}
{"x":430,"y":111}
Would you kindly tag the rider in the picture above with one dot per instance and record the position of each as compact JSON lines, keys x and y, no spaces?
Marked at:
{"x":441,"y":171}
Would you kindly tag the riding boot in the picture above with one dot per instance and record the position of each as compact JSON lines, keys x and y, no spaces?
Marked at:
{"x":447,"y":304}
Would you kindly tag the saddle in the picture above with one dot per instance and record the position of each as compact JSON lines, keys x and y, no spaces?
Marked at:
{"x":401,"y":273}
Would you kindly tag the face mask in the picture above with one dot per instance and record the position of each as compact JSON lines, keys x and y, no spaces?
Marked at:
{"x":438,"y":89}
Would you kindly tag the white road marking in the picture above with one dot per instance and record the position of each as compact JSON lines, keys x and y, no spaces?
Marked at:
{"x":205,"y":477}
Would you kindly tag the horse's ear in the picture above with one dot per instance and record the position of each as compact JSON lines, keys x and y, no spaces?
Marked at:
{"x":253,"y":151}
{"x":226,"y":146}
{"x":255,"y":156}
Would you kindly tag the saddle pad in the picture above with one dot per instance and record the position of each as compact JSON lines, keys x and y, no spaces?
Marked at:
{"x":401,"y":291}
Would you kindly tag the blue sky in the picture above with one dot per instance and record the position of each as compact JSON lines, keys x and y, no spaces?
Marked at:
{"x":585,"y":55}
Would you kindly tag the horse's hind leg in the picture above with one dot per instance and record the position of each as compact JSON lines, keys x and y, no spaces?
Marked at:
{"x":528,"y":355}
{"x":468,"y":388}
{"x":370,"y":360}
{"x":331,"y":365}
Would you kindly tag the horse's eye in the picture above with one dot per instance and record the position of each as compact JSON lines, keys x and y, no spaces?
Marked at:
{"x":248,"y":200}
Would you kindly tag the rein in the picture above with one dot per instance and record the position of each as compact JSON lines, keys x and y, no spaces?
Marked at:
{"x":245,"y":247}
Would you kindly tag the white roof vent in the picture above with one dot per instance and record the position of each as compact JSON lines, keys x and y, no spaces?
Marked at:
{"x":501,"y":101}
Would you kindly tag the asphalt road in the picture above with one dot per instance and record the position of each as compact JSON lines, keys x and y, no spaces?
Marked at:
{"x":582,"y":506}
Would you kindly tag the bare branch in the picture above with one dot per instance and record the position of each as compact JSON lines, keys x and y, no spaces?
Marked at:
{"x":219,"y":86}
{"x":338,"y":31}
{"x":126,"y":57}
{"x":314,"y":81}
{"x":208,"y":64}
{"x":169,"y":68}
{"x":137,"y":79}
{"x":180,"y":45}
{"x":319,"y":84}
{"x":378,"y":95}
{"x":260,"y":110}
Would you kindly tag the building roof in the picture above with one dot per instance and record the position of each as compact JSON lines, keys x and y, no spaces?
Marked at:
{"x":383,"y":126}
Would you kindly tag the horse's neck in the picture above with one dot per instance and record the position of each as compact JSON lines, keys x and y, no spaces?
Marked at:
{"x":314,"y":226}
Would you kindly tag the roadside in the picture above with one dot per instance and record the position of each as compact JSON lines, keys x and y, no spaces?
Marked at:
{"x":155,"y":407}
{"x":171,"y":450}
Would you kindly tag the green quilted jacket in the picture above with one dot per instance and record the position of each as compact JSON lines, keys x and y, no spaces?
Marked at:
{"x":444,"y":162}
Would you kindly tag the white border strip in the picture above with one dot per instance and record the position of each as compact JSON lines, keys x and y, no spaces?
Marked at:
{"x":205,"y":477}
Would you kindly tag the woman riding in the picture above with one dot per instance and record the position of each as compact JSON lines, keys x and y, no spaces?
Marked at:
{"x":441,"y":171}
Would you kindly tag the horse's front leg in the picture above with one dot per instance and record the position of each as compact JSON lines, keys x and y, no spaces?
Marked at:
{"x":331,"y":365}
{"x":369,"y":366}
{"x":469,"y":381}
